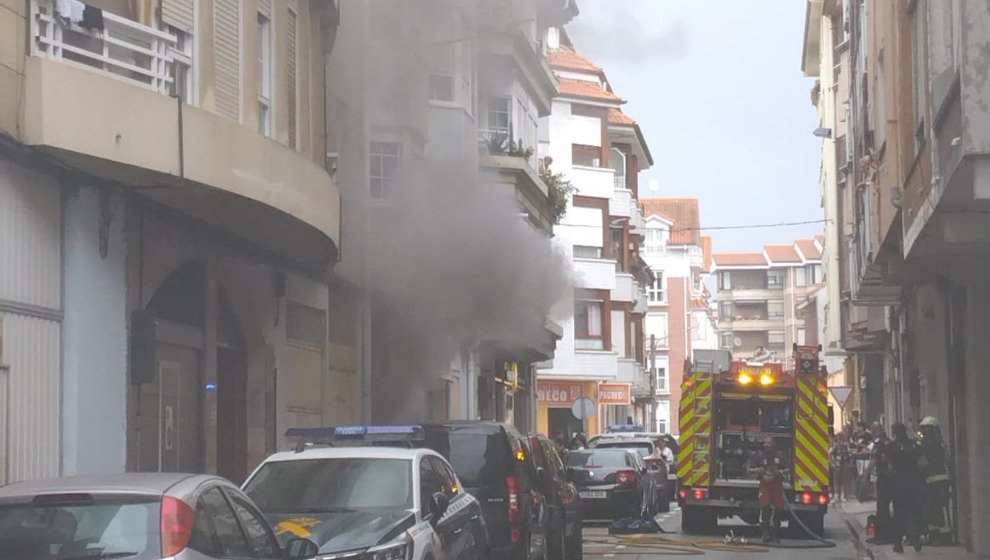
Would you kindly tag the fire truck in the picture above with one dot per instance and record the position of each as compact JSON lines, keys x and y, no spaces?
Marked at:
{"x":728,"y":411}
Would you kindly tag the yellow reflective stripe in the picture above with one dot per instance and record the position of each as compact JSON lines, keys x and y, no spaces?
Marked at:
{"x":817,"y":437}
{"x":937,"y":478}
{"x":820,"y":475}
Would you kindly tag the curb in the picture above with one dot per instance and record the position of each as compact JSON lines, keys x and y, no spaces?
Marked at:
{"x":860,"y":544}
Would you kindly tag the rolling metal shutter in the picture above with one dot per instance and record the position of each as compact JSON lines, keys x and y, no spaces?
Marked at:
{"x":227,"y":58}
{"x":178,"y":14}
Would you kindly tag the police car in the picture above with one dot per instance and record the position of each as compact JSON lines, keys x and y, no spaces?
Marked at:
{"x":359,"y":500}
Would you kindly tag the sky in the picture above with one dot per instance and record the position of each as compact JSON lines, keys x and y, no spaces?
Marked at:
{"x":717,"y":88}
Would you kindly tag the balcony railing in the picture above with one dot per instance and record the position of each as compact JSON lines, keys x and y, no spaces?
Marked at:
{"x":123,"y":49}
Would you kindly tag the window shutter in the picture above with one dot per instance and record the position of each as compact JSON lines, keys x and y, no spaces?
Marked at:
{"x":290,"y":76}
{"x":178,"y":14}
{"x":265,"y":8}
{"x":227,"y":57}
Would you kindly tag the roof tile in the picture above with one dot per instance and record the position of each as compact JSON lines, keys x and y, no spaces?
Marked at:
{"x":616,"y":116}
{"x":566,"y":58}
{"x":782,"y":253}
{"x":739,"y":259}
{"x":683,"y":212}
{"x":808,"y":249}
{"x":583,"y":88}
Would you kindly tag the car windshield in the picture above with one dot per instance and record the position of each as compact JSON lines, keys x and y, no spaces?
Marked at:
{"x":327,"y":485}
{"x":597,"y":458}
{"x":72,"y":530}
{"x":477,"y":458}
{"x":644,"y":448}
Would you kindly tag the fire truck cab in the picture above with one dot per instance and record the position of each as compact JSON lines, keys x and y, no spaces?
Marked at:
{"x":728,"y":414}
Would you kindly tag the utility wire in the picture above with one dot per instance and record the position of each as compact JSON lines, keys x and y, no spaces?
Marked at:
{"x":753,"y":226}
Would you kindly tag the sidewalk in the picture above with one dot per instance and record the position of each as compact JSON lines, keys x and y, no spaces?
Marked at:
{"x":855,"y":513}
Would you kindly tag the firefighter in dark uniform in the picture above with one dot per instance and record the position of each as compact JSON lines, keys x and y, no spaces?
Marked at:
{"x":771,"y":466}
{"x":935,"y":462}
{"x":903,"y":458}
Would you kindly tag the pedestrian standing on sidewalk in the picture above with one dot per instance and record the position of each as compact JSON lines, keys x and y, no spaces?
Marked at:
{"x":878,"y":471}
{"x":840,"y":460}
{"x":904,"y":462}
{"x":936,"y":471}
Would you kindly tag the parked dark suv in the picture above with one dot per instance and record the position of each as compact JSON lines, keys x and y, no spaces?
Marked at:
{"x":493,"y":463}
{"x":562,"y":500}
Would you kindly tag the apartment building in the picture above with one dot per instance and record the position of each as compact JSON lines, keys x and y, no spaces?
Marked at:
{"x":759,"y":295}
{"x":600,"y":150}
{"x":438,"y":105}
{"x":674,"y":252}
{"x":910,"y":150}
{"x":166,"y":230}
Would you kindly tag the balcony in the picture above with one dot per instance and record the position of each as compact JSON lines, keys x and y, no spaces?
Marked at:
{"x":592,"y":181}
{"x":595,"y":274}
{"x":629,"y":371}
{"x":98,"y":101}
{"x":621,"y":203}
{"x":531,"y":191}
{"x":625,"y":288}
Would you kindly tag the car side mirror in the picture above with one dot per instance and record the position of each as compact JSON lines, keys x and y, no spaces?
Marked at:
{"x":439,"y":503}
{"x":300,"y":549}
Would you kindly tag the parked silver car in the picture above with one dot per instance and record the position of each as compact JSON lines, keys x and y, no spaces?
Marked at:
{"x":138,"y":516}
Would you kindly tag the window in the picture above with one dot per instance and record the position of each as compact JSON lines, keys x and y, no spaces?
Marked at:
{"x":587,"y":252}
{"x":589,"y":325}
{"x":384,"y":161}
{"x":325,"y":485}
{"x":657,"y":327}
{"x":441,"y":87}
{"x":182,"y":53}
{"x":775,"y":310}
{"x":725,"y":310}
{"x":800,"y":276}
{"x":618,"y":162}
{"x":228,"y":539}
{"x":264,"y":75}
{"x":430,"y":483}
{"x":588,"y":156}
{"x":724,"y":280}
{"x":815,"y":274}
{"x":656,"y":237}
{"x":775,"y":279}
{"x":727,"y":340}
{"x":655,"y":291}
{"x":500,"y":115}
{"x":661,"y":425}
{"x":447,"y":479}
{"x":800,"y":336}
{"x":661,"y":376}
{"x":262,"y":541}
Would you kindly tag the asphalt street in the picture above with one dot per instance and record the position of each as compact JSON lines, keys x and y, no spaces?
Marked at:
{"x":599,"y":545}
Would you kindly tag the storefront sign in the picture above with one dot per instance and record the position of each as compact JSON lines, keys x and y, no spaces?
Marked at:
{"x":614,"y":393}
{"x":558,"y":392}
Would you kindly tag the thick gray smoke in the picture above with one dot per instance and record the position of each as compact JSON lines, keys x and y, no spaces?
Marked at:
{"x":456,"y":263}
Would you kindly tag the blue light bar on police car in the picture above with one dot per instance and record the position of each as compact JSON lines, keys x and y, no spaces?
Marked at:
{"x":626,"y":428}
{"x":356,"y":434}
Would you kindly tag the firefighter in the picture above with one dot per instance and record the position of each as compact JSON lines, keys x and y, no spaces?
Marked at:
{"x":903,"y":458}
{"x":878,"y":470}
{"x":937,"y":527}
{"x":770,"y":465}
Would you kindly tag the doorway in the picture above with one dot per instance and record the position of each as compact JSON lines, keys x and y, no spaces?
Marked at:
{"x":562,"y":420}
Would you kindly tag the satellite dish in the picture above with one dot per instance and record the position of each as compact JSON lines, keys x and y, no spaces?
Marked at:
{"x":737,"y":342}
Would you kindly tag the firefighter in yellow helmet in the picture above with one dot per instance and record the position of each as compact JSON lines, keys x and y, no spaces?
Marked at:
{"x":937,"y":521}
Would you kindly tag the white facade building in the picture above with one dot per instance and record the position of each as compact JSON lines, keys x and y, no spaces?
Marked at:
{"x":600,"y":151}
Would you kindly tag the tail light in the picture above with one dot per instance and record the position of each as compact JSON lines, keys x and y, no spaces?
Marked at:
{"x":176,"y":525}
{"x":512,"y":485}
{"x":625,"y":477}
{"x":684,"y":493}
{"x":700,"y":493}
{"x":823,"y":499}
{"x":806,"y":498}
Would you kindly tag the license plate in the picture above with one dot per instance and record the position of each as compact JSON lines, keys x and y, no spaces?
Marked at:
{"x":594,"y":494}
